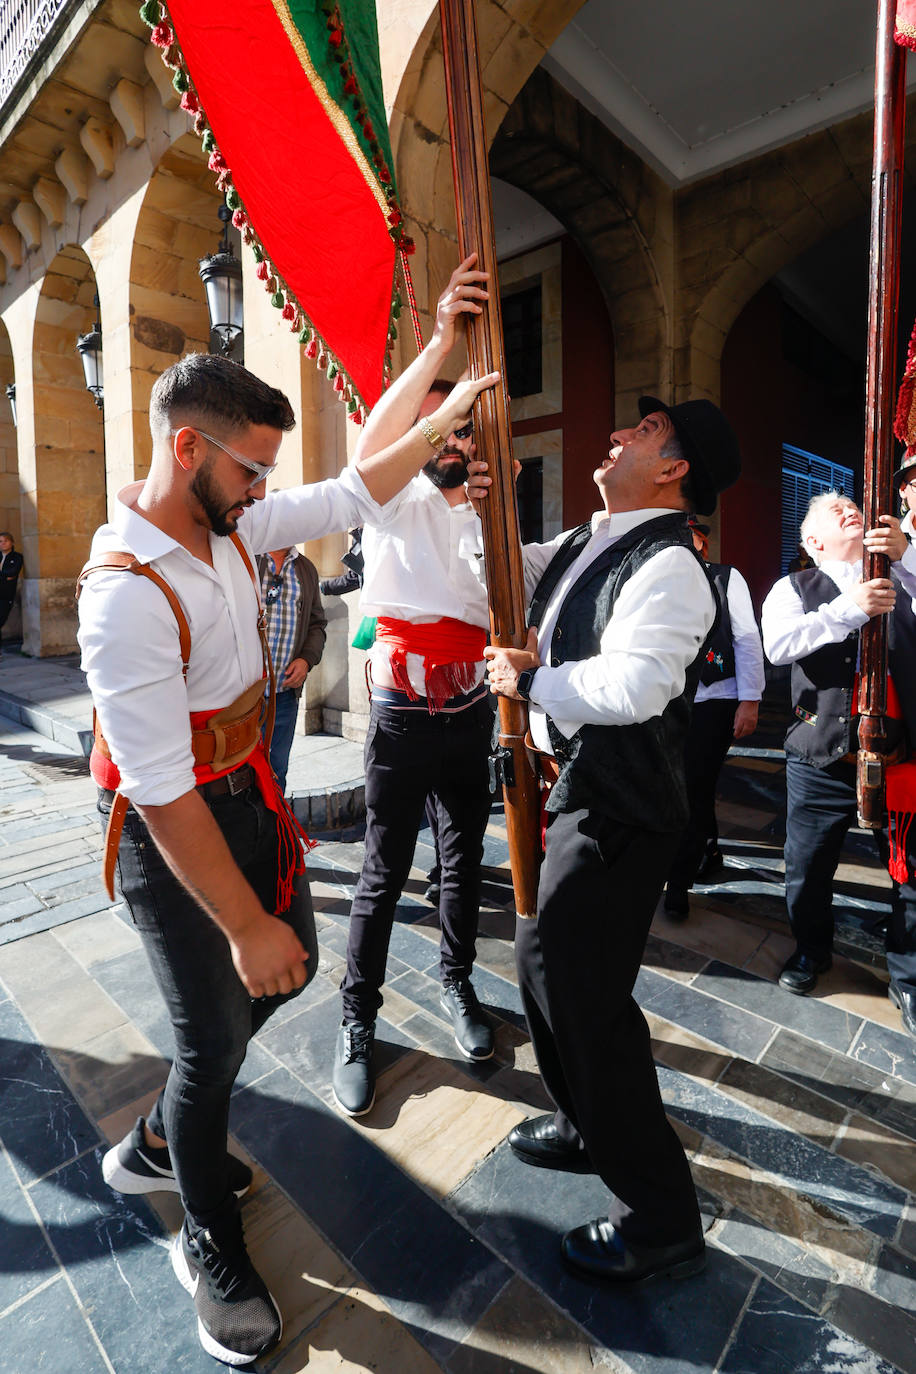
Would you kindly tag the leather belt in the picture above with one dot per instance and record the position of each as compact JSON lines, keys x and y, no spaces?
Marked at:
{"x":230,"y":785}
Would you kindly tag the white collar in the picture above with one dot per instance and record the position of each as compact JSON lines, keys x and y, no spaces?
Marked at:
{"x":621,"y":522}
{"x":144,"y":539}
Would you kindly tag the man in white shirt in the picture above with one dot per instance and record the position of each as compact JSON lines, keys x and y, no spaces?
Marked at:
{"x":622,"y":608}
{"x":725,"y":709}
{"x":811,"y":620}
{"x":429,"y":728}
{"x":208,"y":862}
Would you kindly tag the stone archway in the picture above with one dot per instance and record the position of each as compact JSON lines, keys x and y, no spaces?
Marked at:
{"x":737,"y":230}
{"x":616,"y":209}
{"x":176,"y":226}
{"x":511,"y":45}
{"x":62,"y":473}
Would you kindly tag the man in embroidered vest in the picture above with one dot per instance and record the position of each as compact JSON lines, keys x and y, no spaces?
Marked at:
{"x":622,"y":607}
{"x":429,"y":728}
{"x":724,"y":710}
{"x":208,"y":861}
{"x":811,"y":619}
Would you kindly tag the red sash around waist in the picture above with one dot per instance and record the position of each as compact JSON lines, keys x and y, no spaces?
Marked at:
{"x":451,"y":651}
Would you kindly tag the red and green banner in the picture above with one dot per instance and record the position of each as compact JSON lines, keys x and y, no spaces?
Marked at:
{"x":287,"y":96}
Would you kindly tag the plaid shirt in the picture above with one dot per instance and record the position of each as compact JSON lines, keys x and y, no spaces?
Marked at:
{"x":281,"y":594}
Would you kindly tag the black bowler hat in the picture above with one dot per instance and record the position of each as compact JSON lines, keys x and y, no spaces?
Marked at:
{"x":709,"y":445}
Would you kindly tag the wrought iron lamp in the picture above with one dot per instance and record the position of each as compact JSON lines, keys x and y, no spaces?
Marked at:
{"x":11,"y":397}
{"x":89,"y":347}
{"x":221,"y":274}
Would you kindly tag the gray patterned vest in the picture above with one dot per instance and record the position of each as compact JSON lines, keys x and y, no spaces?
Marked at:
{"x":823,"y":730}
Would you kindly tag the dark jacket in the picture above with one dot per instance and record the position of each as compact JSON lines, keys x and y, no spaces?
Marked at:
{"x":633,"y":773}
{"x":9,"y":575}
{"x":310,"y":627}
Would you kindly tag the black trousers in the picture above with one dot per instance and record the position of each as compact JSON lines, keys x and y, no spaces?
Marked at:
{"x":821,"y":808}
{"x":410,"y":754}
{"x":213,"y":1017}
{"x":711,"y":733}
{"x":577,"y":965}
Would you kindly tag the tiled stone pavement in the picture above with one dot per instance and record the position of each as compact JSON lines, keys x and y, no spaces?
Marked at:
{"x":413,"y":1241}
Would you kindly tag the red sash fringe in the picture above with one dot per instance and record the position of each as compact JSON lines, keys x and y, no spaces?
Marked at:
{"x":291,"y":837}
{"x":451,"y":651}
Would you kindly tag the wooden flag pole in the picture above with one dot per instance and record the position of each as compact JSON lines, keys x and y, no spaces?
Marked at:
{"x":881,"y":382}
{"x":502,"y":546}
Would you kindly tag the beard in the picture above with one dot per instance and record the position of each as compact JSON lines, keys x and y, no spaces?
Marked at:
{"x":212,"y":501}
{"x":450,"y":475}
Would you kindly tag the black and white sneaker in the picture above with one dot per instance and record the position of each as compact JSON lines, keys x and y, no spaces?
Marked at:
{"x":237,"y":1318}
{"x":135,"y":1167}
{"x":473,"y":1032}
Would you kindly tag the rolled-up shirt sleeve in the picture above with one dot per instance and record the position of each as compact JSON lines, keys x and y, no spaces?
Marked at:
{"x":660,"y":620}
{"x":298,"y":514}
{"x":790,"y":632}
{"x":132,"y":659}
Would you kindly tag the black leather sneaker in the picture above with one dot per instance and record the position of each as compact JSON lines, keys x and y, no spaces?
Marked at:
{"x":353,"y":1079}
{"x":135,"y":1167}
{"x":473,"y":1032}
{"x":237,"y":1318}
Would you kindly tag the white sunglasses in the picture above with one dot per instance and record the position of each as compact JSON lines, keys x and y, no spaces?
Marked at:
{"x":260,"y":470}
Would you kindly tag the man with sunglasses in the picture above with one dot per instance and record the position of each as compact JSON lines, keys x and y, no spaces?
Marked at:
{"x":209,"y":864}
{"x":429,"y":730}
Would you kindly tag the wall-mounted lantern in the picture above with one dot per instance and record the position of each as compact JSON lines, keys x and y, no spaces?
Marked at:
{"x":221,"y":274}
{"x":89,"y":347}
{"x":11,"y":397}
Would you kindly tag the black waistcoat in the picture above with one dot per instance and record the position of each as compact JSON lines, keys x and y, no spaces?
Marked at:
{"x":634,"y":773}
{"x":719,"y":660}
{"x":823,"y":730}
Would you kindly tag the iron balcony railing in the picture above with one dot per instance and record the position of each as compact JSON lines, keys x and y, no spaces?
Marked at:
{"x":24,"y":25}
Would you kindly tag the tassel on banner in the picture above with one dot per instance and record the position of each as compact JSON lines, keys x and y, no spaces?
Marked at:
{"x":905,"y":24}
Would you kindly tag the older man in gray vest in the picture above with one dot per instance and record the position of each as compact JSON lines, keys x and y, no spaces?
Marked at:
{"x":622,"y":607}
{"x":812,"y":619}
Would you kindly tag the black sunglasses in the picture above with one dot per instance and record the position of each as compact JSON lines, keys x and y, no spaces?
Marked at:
{"x":465,"y":431}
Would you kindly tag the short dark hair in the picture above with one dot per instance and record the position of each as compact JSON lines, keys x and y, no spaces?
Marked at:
{"x":442,"y":386}
{"x":5,"y":534}
{"x":219,"y":394}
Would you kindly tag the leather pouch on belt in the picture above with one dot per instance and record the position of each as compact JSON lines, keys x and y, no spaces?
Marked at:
{"x":230,"y":736}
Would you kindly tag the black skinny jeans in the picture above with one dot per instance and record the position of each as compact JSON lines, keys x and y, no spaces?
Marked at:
{"x":213,"y":1017}
{"x":410,"y":754}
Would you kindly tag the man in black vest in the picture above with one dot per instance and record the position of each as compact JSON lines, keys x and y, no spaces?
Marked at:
{"x":812,"y":619}
{"x":622,"y":608}
{"x":726,"y":706}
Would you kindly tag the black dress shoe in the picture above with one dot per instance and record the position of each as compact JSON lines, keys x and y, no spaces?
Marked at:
{"x":905,"y":1001}
{"x":801,"y":972}
{"x":712,"y":864}
{"x":600,"y":1252}
{"x":537,"y":1142}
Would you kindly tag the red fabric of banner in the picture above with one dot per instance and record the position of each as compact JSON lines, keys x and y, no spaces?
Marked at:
{"x":307,"y":196}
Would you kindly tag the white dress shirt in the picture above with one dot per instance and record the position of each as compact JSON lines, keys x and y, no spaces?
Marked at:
{"x":790,"y":632}
{"x":749,"y":679}
{"x":660,"y":619}
{"x":421,"y":560}
{"x":129,"y":635}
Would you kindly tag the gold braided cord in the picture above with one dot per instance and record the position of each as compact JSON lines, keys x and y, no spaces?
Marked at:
{"x":330,"y":107}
